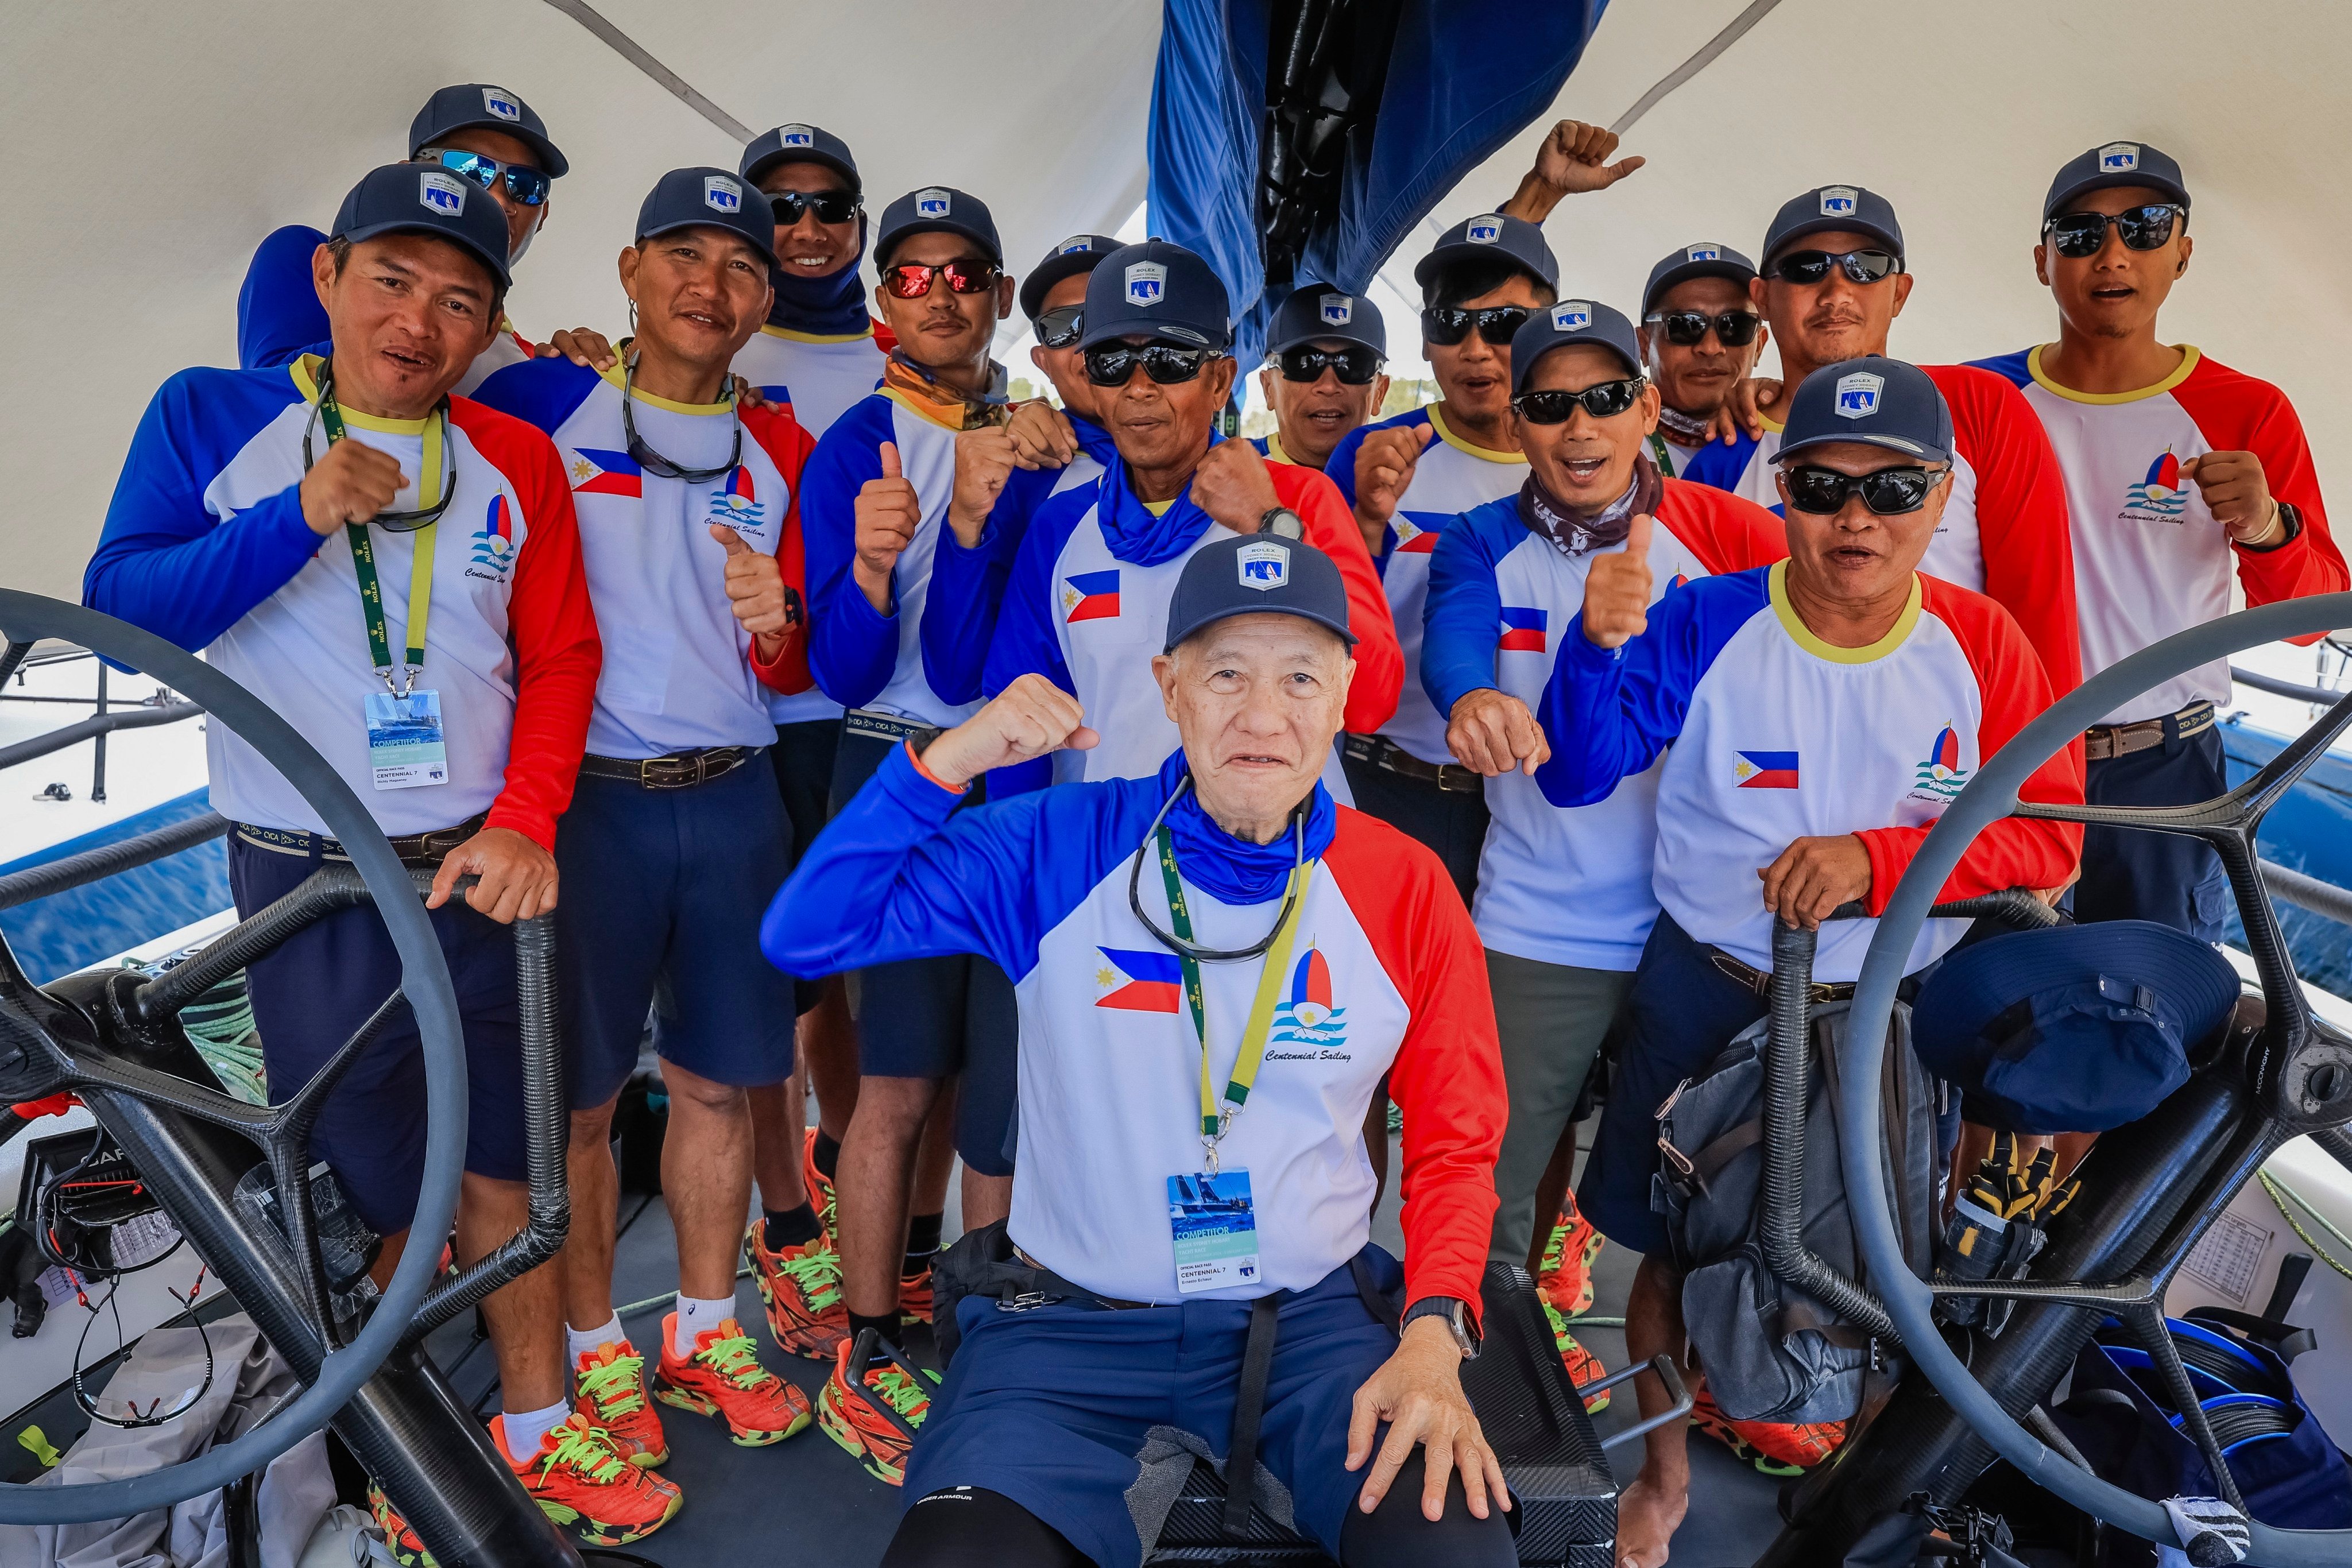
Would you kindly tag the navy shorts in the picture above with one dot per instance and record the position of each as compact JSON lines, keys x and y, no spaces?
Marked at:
{"x":659,"y":909}
{"x":1055,"y":1408}
{"x":1681,"y":1012}
{"x":938,"y":1018}
{"x":319,"y":986}
{"x":2129,"y":874}
{"x":802,"y":760}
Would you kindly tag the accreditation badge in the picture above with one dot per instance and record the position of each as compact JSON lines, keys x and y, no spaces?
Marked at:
{"x":1215,"y":1225}
{"x":405,"y":746}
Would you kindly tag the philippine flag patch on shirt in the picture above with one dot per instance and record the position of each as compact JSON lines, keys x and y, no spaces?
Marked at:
{"x":1522,"y":630}
{"x":1138,"y":982}
{"x":1767,"y":770}
{"x":596,"y":471}
{"x":1090,"y":596}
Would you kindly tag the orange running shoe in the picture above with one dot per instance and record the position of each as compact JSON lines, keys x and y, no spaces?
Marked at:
{"x":876,"y":1414}
{"x":407,"y":1550}
{"x":577,"y":1478}
{"x":801,"y":1287}
{"x":1583,"y":1366}
{"x":914,"y":1297}
{"x":820,"y":1189}
{"x":723,"y":1378}
{"x":1566,"y":1278}
{"x":612,"y":1380}
{"x":1774,"y":1448}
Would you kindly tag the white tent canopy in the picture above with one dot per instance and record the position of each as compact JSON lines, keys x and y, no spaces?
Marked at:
{"x":152,"y":145}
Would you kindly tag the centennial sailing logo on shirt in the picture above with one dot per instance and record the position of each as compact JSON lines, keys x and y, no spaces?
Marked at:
{"x":1766,"y":770}
{"x":2159,"y":497}
{"x":1941,"y":777}
{"x":1307,"y":1016}
{"x":736,"y":503}
{"x":494,"y":546}
{"x":1137,"y":980}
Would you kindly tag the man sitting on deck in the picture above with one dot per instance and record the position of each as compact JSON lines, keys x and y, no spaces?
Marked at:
{"x":1166,"y":1224}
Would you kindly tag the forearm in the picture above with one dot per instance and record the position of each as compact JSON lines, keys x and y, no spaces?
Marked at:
{"x":960,"y":614}
{"x":853,"y":650}
{"x":1594,"y":743}
{"x":191,"y":589}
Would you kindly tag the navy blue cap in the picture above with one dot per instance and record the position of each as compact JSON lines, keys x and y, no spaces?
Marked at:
{"x":1315,"y":313}
{"x":1565,"y":325}
{"x":1704,"y":260}
{"x":798,"y":144}
{"x":1875,"y":401}
{"x":1487,"y":236}
{"x":1077,"y":255}
{"x":1847,"y":207}
{"x":417,"y":198}
{"x":1159,"y":289}
{"x":2075,"y":1029}
{"x":710,"y":198}
{"x":938,"y":209}
{"x":2116,"y":163}
{"x":1257,"y":574}
{"x":476,"y":103}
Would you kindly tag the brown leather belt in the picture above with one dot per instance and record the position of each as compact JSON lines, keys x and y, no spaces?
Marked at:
{"x":678,"y":770}
{"x":1760,"y":980}
{"x":2102,"y":741}
{"x":429,"y":849}
{"x":1380,"y":752}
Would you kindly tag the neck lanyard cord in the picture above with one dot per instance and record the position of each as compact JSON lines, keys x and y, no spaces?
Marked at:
{"x":330,"y":415}
{"x":1180,"y":942}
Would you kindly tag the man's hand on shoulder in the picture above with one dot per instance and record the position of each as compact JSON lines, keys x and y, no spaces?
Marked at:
{"x":1418,"y":1392}
{"x":1235,"y":486}
{"x":518,"y":876}
{"x":1028,"y":719}
{"x":351,"y":484}
{"x":984,"y":460}
{"x":1743,"y":409}
{"x":1812,"y":876}
{"x":1492,"y":732}
{"x":584,"y":346}
{"x":1042,"y":435}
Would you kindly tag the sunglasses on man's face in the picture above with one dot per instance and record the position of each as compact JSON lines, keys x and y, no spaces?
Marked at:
{"x":2080,"y":234}
{"x":830,"y":206}
{"x":1687,"y":329}
{"x":1888,"y":492}
{"x":1112,"y":364}
{"x":912,"y":280}
{"x":1813,"y":266}
{"x":1355,"y":367}
{"x":1556,"y":406}
{"x":1060,"y":328}
{"x":524,"y":183}
{"x":1446,"y":325}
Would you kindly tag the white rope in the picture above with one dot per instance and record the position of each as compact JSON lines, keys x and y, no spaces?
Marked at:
{"x":1690,"y":67}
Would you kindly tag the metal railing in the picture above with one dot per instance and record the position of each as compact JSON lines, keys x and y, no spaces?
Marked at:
{"x":161,"y":709}
{"x":2279,"y":688}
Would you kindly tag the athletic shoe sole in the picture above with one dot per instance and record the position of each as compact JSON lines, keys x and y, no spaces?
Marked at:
{"x":844,"y":1433}
{"x":597,"y":1533}
{"x":701,"y":1405}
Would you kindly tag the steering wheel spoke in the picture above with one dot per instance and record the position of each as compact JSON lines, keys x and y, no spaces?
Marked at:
{"x":2145,"y":1323}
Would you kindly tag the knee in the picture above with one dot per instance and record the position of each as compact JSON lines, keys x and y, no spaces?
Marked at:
{"x":1397,"y":1534}
{"x":593,"y":1128}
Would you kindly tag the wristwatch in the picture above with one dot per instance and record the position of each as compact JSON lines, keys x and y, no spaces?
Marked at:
{"x":1456,"y":1313}
{"x":1282,"y":521}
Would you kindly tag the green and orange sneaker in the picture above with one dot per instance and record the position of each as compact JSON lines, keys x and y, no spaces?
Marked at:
{"x":914,"y":1297}
{"x":724,"y":1378}
{"x":1583,"y":1366}
{"x":1775,"y":1448}
{"x":578,"y":1480}
{"x":612,"y":1380}
{"x":820,"y":1190}
{"x":801,"y":1287}
{"x":875,"y":1414}
{"x":407,"y":1550}
{"x":1566,"y":1278}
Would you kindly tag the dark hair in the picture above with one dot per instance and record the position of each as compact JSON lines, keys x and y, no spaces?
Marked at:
{"x":341,"y":249}
{"x":1459,"y":280}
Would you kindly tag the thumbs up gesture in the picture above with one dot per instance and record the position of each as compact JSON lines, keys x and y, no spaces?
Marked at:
{"x":1617,"y":590}
{"x":984,"y":460}
{"x":888,"y":513}
{"x":755,"y":585}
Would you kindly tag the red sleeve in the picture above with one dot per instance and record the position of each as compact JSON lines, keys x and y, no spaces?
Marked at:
{"x":1727,"y":532}
{"x":2239,"y":414}
{"x":2029,"y":547}
{"x":788,"y":445}
{"x":2014,"y":851}
{"x":550,"y":624}
{"x":1331,"y":528}
{"x":1448,"y":1074}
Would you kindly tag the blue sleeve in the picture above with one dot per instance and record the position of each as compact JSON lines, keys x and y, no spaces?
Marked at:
{"x":542,"y":394}
{"x":960,"y":614}
{"x":894,"y":876}
{"x":277,"y":311}
{"x":853,"y":647}
{"x":2011,"y":368}
{"x":1609,"y":711}
{"x":1718,"y":466}
{"x":1341,"y":466}
{"x":1026,"y":638}
{"x":164,"y":563}
{"x":1464,"y":608}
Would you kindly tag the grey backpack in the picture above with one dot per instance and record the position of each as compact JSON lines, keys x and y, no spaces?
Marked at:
{"x":1772,"y":1353}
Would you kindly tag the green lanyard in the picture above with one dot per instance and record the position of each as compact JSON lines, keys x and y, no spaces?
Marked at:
{"x":1217,"y":1114}
{"x":1659,"y":456}
{"x":420,"y":572}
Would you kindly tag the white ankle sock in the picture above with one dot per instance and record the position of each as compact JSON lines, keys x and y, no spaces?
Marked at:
{"x":695,"y":1316}
{"x":524,"y":1428}
{"x":578,"y":1343}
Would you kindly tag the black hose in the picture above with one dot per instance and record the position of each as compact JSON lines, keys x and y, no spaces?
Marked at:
{"x":108,"y":859}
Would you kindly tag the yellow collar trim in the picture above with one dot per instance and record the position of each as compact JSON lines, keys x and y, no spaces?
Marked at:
{"x":1273,"y":452}
{"x":1486,"y":454}
{"x":306,"y":381}
{"x":2189,"y":357}
{"x":1771,"y":425}
{"x":1802,"y":635}
{"x":1157,"y":508}
{"x":916,"y":408}
{"x":612,"y":378}
{"x":789,"y":336}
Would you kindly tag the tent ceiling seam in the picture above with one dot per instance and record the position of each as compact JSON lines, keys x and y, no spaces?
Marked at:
{"x":630,"y":50}
{"x":1690,"y":67}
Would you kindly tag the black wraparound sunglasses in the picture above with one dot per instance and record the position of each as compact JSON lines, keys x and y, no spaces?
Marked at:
{"x":1888,"y":492}
{"x":2080,"y":234}
{"x":1687,"y":327}
{"x":1813,"y":266}
{"x":1354,"y":366}
{"x":1112,"y":364}
{"x":830,"y":206}
{"x":1446,"y":325}
{"x":1557,"y":406}
{"x":1061,"y":327}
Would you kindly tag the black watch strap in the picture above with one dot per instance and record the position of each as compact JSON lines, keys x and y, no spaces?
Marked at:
{"x":1456,"y":1313}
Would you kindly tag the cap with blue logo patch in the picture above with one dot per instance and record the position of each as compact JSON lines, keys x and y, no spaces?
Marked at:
{"x":1491,"y":237}
{"x":1833,"y":207}
{"x":1074,"y":256}
{"x":798,"y":144}
{"x":1875,"y":401}
{"x":710,"y":198}
{"x":2116,"y":163}
{"x":1315,"y":313}
{"x":1565,"y":325}
{"x":1157,"y":290}
{"x":475,"y":103}
{"x":1257,"y":574}
{"x":1704,"y":260}
{"x":938,"y":209}
{"x":418,"y":198}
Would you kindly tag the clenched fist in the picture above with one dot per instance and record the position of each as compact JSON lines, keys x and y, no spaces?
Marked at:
{"x":984,"y":460}
{"x":1384,"y":469}
{"x":888,"y":513}
{"x":1233,"y":485}
{"x":1028,"y":719}
{"x":1492,"y":732}
{"x":2237,"y":492}
{"x":351,"y":484}
{"x":755,"y":586}
{"x":1042,"y":435}
{"x":1617,"y":590}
